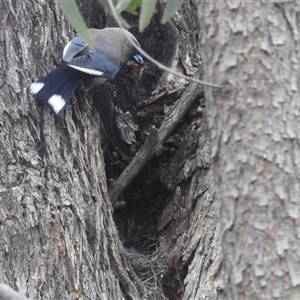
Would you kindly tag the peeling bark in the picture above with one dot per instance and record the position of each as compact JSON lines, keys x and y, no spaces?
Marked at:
{"x":155,"y":140}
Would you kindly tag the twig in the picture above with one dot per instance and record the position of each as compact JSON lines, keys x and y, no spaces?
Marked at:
{"x":150,"y":58}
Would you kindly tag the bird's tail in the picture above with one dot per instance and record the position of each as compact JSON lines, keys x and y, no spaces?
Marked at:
{"x":57,"y":87}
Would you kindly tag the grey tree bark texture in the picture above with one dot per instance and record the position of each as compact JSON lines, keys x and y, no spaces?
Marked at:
{"x":53,"y":185}
{"x":59,"y":238}
{"x":252,"y":49}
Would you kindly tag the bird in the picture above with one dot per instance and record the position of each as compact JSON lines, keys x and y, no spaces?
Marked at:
{"x":80,"y":63}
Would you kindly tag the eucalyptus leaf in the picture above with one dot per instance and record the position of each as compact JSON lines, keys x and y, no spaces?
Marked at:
{"x":147,"y":10}
{"x":106,"y":6}
{"x":133,"y":6}
{"x":171,"y":7}
{"x":72,"y":13}
{"x":122,"y":5}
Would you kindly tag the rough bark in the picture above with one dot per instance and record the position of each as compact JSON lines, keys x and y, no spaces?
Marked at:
{"x":172,"y":198}
{"x":57,"y":233}
{"x":155,"y":140}
{"x":58,"y":236}
{"x":252,"y":49}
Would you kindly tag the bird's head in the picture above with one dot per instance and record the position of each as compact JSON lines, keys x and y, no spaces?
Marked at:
{"x":138,"y":60}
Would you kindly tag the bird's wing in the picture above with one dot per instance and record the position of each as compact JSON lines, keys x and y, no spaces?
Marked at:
{"x":75,"y":46}
{"x":96,"y":63}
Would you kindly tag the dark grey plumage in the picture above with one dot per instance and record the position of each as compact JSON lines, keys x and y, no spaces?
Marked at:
{"x":112,"y":49}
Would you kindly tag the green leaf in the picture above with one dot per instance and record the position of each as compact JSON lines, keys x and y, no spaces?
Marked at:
{"x":171,"y":7}
{"x":70,"y":9}
{"x":133,"y":6}
{"x":147,"y":10}
{"x":106,"y":6}
{"x":122,"y":5}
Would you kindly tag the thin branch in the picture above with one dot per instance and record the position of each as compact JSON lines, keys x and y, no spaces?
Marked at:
{"x":150,"y":58}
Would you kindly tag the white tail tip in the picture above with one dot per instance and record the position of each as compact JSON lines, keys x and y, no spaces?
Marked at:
{"x":35,"y":87}
{"x":57,"y":103}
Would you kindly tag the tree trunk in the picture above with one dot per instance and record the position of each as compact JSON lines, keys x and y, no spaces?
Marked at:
{"x":58,"y":238}
{"x":58,"y":234}
{"x":252,"y":49}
